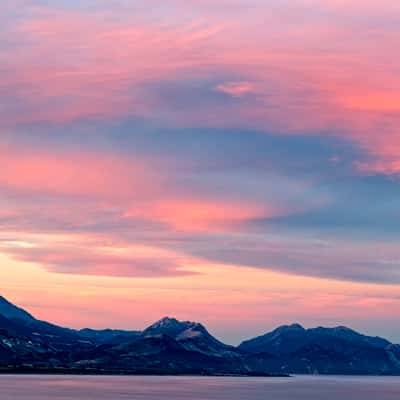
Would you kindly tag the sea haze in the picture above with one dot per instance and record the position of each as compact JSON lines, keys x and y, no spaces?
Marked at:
{"x":195,"y":388}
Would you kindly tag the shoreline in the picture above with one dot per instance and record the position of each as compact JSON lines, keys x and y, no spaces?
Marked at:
{"x":104,"y":372}
{"x":89,"y":372}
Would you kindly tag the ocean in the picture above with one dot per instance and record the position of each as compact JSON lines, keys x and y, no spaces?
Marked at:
{"x":35,"y":387}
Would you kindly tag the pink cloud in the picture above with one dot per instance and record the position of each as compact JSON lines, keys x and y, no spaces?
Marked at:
{"x":72,"y":173}
{"x":70,"y":65}
{"x":73,"y":258}
{"x":205,"y":214}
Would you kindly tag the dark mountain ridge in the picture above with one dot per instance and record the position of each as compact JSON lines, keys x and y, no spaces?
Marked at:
{"x":338,"y":350}
{"x":107,"y":336}
{"x":170,"y":346}
{"x":289,"y":338}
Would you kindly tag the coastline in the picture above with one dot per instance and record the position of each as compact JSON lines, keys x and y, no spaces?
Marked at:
{"x":109,"y":372}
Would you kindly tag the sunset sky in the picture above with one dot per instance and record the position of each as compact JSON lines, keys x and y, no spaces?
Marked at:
{"x":234,"y":162}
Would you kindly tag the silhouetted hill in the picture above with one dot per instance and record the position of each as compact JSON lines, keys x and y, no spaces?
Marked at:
{"x":192,"y":336}
{"x":11,"y":312}
{"x":287,"y":339}
{"x":337,"y":350}
{"x":170,"y":346}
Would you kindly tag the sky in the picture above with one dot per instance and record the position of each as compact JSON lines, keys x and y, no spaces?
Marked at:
{"x":234,"y":162}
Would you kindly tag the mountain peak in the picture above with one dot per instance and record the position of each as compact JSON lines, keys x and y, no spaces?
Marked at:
{"x":164,"y":323}
{"x":173,"y":327}
{"x":295,"y":326}
{"x":10,"y":311}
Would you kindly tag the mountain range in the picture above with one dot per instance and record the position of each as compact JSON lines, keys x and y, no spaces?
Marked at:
{"x":170,"y":346}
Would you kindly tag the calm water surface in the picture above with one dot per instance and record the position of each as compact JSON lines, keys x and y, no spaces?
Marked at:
{"x":196,"y":388}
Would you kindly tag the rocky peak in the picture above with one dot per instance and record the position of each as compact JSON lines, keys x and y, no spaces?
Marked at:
{"x":172,"y":327}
